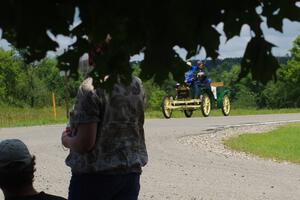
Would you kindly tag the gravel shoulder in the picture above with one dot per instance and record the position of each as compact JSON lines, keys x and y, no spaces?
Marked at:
{"x":212,"y":140}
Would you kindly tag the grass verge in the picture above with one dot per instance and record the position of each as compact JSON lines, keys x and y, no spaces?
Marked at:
{"x":12,"y":117}
{"x":218,"y":112}
{"x":280,"y":144}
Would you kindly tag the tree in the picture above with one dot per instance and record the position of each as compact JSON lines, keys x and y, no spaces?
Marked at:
{"x":31,"y":85}
{"x":291,"y":74}
{"x":286,"y":91}
{"x":12,"y":79}
{"x":152,"y":26}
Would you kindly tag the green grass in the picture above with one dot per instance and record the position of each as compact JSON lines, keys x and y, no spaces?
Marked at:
{"x":218,"y":112}
{"x":12,"y":117}
{"x":280,"y":144}
{"x":253,"y":111}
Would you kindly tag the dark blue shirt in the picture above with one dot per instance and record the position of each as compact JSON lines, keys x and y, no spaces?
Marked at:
{"x":189,"y":75}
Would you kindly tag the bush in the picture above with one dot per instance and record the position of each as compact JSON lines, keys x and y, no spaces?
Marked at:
{"x":244,"y":98}
{"x":154,"y":95}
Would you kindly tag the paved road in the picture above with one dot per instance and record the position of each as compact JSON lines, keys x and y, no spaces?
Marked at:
{"x":176,"y":171}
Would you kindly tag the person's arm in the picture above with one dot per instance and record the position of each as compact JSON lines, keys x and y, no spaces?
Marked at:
{"x":83,"y":141}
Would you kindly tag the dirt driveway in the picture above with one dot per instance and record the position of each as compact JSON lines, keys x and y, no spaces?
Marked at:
{"x":177,"y":170}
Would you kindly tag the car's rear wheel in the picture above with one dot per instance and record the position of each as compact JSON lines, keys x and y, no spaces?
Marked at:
{"x":188,"y":113}
{"x":226,"y":105}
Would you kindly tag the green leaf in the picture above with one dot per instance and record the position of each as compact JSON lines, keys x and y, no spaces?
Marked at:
{"x":261,"y":63}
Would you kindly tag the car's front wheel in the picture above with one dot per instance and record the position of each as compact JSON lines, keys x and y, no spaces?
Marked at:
{"x":165,"y":106}
{"x":205,"y":105}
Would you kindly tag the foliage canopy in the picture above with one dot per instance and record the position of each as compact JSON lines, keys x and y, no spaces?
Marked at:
{"x":151,"y":26}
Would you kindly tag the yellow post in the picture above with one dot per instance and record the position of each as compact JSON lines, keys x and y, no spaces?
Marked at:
{"x":54,"y":105}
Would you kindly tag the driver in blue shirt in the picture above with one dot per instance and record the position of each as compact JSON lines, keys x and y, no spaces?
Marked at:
{"x":202,"y":76}
{"x":195,"y":77}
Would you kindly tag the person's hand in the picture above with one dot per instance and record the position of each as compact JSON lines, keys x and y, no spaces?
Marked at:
{"x":108,"y":38}
{"x":64,"y":138}
{"x":200,"y":74}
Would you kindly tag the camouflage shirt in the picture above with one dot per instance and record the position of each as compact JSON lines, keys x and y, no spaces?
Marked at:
{"x":120,"y":142}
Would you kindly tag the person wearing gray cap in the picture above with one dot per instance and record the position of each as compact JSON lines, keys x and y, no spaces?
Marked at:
{"x":17,"y":167}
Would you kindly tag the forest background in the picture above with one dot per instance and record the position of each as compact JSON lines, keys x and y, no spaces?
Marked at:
{"x":32,"y":86}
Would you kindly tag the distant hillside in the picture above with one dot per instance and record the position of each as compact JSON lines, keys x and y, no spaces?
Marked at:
{"x":226,"y":63}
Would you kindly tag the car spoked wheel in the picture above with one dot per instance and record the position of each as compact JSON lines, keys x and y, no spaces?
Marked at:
{"x":166,"y":106}
{"x":205,"y":105}
{"x":226,"y":105}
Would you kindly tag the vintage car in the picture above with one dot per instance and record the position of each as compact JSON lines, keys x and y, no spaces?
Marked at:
{"x":215,"y":97}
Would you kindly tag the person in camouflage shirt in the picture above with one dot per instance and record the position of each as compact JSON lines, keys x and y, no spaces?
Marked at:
{"x":106,"y":141}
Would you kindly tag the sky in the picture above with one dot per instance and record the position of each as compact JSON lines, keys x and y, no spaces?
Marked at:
{"x":234,"y":47}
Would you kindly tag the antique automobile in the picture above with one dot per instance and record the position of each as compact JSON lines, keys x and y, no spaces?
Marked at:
{"x":217,"y":96}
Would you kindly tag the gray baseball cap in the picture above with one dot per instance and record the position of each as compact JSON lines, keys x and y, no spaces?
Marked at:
{"x":14,"y":155}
